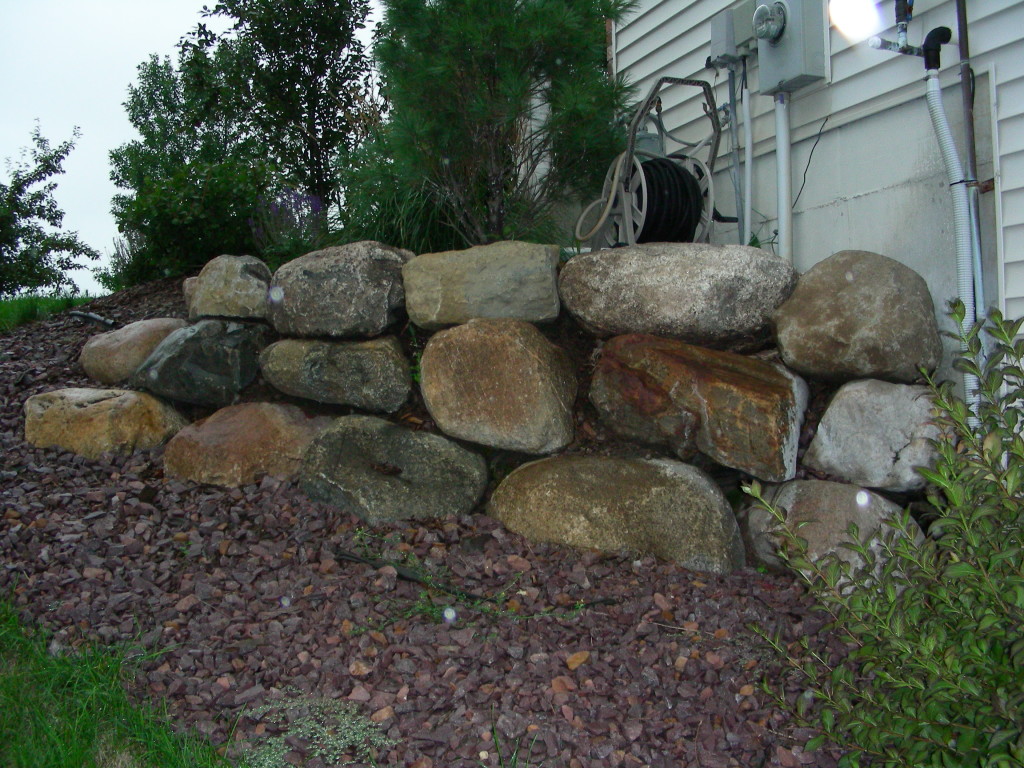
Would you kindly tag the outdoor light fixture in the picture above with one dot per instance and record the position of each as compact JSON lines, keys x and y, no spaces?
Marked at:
{"x":856,"y":20}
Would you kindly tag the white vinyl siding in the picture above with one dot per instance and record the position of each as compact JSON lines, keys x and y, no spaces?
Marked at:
{"x":876,"y":181}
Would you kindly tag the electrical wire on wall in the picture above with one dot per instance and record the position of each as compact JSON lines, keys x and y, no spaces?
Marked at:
{"x":809,"y":156}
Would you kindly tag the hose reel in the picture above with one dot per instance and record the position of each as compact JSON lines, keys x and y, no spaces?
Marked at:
{"x":649,"y":196}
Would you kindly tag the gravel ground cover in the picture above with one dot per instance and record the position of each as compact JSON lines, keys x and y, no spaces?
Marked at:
{"x":580,"y":659}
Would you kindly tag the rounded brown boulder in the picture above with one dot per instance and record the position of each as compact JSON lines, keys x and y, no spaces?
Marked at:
{"x":113,"y":357}
{"x":859,"y":315}
{"x":653,"y":507}
{"x":499,"y":383}
{"x":238,"y":444}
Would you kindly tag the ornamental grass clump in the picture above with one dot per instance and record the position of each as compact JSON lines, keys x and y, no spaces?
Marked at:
{"x":934,"y":675}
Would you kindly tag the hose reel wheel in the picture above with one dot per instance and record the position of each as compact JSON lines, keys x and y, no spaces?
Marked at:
{"x":659,"y":199}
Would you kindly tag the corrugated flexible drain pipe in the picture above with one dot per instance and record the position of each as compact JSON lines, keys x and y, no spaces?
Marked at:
{"x":962,"y":224}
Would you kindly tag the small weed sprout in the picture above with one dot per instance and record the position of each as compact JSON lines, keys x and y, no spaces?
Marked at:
{"x":333,"y":730}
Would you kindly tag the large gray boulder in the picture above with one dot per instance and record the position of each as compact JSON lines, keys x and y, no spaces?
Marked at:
{"x":644,"y":506}
{"x":112,"y":357}
{"x":372,"y":375}
{"x":207,"y":363}
{"x":876,"y":434}
{"x":499,"y":383}
{"x":859,"y":315}
{"x":380,"y":471}
{"x":828,"y":509}
{"x":230,"y":286}
{"x":711,"y":295}
{"x":240,"y":443}
{"x":348,"y":290}
{"x":91,"y":422}
{"x":508,"y":279}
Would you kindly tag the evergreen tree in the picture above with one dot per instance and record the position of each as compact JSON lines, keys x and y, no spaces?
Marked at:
{"x":499,"y":109}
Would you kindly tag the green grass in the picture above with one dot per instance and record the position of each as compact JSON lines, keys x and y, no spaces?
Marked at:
{"x":72,"y":710}
{"x":26,"y":309}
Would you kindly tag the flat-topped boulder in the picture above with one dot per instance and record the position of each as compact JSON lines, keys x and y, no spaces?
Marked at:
{"x":372,"y":375}
{"x":657,"y":507}
{"x":241,"y":443}
{"x":112,"y":357}
{"x":877,"y":434}
{"x":859,"y":315}
{"x":230,"y":286}
{"x":742,"y":412}
{"x":348,"y":290}
{"x":91,"y":422}
{"x":207,"y":363}
{"x":720,"y":296}
{"x":381,"y":471}
{"x":499,"y":383}
{"x":509,"y":279}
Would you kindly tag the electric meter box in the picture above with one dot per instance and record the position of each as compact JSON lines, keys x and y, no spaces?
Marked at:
{"x":796,"y":58}
{"x":732,"y":34}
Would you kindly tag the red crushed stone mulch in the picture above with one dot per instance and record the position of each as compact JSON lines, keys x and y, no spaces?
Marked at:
{"x":242,"y":598}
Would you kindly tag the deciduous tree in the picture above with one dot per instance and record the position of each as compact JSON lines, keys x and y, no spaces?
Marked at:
{"x":299,"y":80}
{"x":34,"y":251}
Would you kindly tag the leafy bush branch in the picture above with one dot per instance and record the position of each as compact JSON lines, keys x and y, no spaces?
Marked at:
{"x":934,"y":629}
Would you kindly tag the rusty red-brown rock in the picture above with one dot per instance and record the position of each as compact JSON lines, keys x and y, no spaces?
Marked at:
{"x":113,"y":357}
{"x":239,"y":443}
{"x":742,"y":412}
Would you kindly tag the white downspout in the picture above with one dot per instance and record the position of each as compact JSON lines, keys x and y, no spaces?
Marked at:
{"x":783,"y":167}
{"x":963,"y":227}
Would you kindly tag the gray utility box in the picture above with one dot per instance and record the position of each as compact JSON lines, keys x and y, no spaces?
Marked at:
{"x":732,"y":33}
{"x":797,"y":58}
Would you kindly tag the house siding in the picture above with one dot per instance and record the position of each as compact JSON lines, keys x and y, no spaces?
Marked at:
{"x":875,"y":181}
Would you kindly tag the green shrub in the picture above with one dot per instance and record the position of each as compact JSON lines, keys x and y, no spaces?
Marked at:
{"x":178,"y":224}
{"x":288,"y":225}
{"x":935,"y":670}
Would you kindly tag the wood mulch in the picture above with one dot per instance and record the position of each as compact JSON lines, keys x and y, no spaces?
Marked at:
{"x":241,"y":598}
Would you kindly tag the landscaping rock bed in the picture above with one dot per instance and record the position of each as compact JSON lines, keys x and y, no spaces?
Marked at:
{"x":243,"y":597}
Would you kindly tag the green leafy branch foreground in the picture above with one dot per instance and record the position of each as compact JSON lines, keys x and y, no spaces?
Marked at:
{"x":935,"y":629}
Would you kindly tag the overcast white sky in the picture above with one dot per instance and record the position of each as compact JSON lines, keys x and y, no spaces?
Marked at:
{"x":69,"y":63}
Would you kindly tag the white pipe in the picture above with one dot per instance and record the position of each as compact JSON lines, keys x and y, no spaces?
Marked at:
{"x":961,"y":220}
{"x":783,"y":169}
{"x":748,"y":168}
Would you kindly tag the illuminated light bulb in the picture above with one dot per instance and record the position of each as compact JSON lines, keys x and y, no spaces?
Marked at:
{"x":856,"y":20}
{"x":863,"y":498}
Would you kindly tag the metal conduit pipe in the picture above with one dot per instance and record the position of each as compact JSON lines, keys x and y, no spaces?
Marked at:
{"x":748,"y":168}
{"x":784,"y":172}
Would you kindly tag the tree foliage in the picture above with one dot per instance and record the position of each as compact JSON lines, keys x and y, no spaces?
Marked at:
{"x":499,"y":109}
{"x":34,"y":252}
{"x":241,"y":119}
{"x":193,"y":178}
{"x":297,"y":79}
